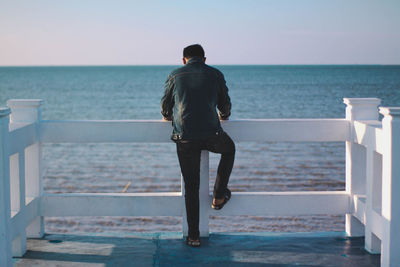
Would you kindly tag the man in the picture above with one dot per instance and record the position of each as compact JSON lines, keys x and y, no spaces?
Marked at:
{"x":192,"y":94}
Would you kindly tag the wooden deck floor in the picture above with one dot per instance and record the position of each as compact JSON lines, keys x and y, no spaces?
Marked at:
{"x":220,"y":249}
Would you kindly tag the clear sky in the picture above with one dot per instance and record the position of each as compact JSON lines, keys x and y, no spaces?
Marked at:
{"x":115,"y":32}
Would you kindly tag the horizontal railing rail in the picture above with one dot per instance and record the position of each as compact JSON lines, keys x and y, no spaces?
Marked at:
{"x":155,"y":131}
{"x":171,"y":204}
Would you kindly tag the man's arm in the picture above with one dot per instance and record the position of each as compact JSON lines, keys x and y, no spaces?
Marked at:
{"x":167,"y":101}
{"x":224,"y":101}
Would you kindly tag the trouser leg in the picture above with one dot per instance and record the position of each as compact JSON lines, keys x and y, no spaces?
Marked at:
{"x":224,"y":171}
{"x":223,"y":145}
{"x":189,"y":161}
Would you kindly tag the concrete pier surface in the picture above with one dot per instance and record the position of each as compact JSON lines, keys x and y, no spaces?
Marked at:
{"x":220,"y":249}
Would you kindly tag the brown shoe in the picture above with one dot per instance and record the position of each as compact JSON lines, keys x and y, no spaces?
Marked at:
{"x":192,"y":242}
{"x":226,"y":199}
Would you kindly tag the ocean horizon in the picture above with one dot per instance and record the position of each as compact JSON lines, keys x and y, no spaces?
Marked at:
{"x":216,"y":65}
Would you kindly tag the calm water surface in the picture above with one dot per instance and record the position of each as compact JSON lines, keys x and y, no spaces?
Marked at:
{"x":134,"y":92}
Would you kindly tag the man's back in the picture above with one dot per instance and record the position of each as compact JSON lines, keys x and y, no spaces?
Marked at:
{"x":192,"y":94}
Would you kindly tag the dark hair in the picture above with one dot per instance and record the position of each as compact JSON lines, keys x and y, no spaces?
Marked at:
{"x":193,"y":51}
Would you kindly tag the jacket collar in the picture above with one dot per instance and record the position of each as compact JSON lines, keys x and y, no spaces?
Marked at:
{"x":195,"y":60}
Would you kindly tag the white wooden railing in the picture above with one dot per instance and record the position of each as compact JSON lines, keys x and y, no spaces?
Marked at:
{"x":371,"y":201}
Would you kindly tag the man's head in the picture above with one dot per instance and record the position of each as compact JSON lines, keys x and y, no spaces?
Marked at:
{"x":193,"y":51}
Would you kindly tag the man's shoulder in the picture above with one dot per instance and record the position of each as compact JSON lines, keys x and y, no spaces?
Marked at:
{"x":214,"y":70}
{"x":187,"y":68}
{"x":177,"y":71}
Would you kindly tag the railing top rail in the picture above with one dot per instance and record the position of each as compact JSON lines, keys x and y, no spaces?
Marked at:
{"x":230,"y":121}
{"x":150,"y":131}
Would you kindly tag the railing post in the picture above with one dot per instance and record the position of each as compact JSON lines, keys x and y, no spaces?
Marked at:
{"x":357,"y":109}
{"x":185,"y":229}
{"x":5,"y":206}
{"x":204,"y":196}
{"x":390,"y":255}
{"x":17,"y":181}
{"x":373,"y":199}
{"x":23,"y":112}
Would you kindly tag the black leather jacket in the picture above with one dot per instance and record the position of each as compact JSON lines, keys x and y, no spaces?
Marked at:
{"x":192,"y":94}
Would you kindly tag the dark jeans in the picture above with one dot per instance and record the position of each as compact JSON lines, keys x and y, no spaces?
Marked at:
{"x":189,"y":159}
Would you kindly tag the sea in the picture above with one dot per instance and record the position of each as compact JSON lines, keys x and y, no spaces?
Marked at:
{"x":134,"y":92}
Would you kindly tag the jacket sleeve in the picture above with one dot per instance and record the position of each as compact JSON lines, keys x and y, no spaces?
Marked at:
{"x":167,"y":101}
{"x":224,"y":101}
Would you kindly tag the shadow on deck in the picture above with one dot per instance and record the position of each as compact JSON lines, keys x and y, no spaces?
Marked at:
{"x":221,"y":249}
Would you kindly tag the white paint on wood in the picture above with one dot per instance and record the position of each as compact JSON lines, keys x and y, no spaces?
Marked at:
{"x":21,"y":220}
{"x":32,"y":171}
{"x":19,"y":244}
{"x":362,"y":108}
{"x":375,"y":220}
{"x":170,"y":204}
{"x":281,"y":130}
{"x":23,"y":113}
{"x":357,"y":109}
{"x":14,"y":183}
{"x":22,"y":137}
{"x":118,"y":204}
{"x":205,"y":202}
{"x":391,"y":187}
{"x":24,"y":110}
{"x":372,"y":243}
{"x":358,"y":207}
{"x":150,"y":131}
{"x":286,"y":203}
{"x":377,"y":183}
{"x":185,"y":229}
{"x":5,"y":206}
{"x":365,"y":134}
{"x":379,"y":140}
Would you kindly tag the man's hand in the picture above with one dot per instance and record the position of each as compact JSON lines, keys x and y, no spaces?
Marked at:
{"x":223,"y":119}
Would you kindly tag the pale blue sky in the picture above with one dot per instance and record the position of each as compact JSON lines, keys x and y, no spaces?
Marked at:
{"x":89,"y":32}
